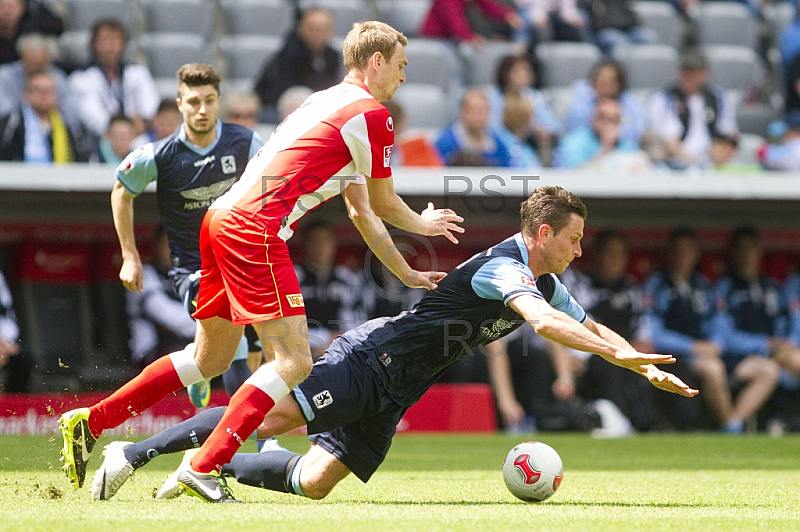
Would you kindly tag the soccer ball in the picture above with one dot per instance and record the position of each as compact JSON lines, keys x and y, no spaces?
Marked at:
{"x":533,"y":471}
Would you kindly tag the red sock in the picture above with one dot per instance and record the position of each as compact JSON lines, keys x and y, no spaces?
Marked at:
{"x":155,"y":382}
{"x":244,"y":414}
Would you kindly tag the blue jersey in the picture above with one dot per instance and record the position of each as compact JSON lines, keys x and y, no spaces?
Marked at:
{"x":188,"y":179}
{"x":750,"y":314}
{"x":469,"y":309}
{"x":677,"y":316}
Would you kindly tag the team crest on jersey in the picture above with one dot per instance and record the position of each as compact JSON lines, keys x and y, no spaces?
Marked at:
{"x":228,"y":163}
{"x":322,"y":399}
{"x":295,"y":300}
{"x":390,"y":124}
{"x":527,"y":281}
{"x":387,"y":156}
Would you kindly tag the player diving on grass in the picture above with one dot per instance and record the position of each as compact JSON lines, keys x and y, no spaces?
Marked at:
{"x":338,"y":142}
{"x":360,"y":388}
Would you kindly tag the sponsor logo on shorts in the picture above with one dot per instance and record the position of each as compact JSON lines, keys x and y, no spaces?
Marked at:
{"x":387,"y":155}
{"x":322,"y":399}
{"x":295,"y":300}
{"x":228,"y":163}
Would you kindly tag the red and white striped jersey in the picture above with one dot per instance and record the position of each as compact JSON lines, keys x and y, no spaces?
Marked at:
{"x":338,"y":136}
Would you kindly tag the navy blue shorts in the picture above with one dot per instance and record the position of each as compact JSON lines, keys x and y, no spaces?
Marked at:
{"x":348,"y":413}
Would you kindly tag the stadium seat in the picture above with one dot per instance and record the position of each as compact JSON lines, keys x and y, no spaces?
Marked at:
{"x":56,"y":322}
{"x":75,"y":47}
{"x":566,"y":62}
{"x":559,"y":99}
{"x":167,"y":87}
{"x":481,"y":64}
{"x":82,"y":14}
{"x":648,"y":66}
{"x":755,"y":118}
{"x":246,"y":55}
{"x":425,"y":106}
{"x":258,"y":17}
{"x":405,"y":16}
{"x":725,"y":23}
{"x":346,"y":12}
{"x":747,"y":151}
{"x":734,"y":67}
{"x":663,"y":19}
{"x":180,"y":16}
{"x":778,"y":15}
{"x":166,"y":52}
{"x":429,"y":61}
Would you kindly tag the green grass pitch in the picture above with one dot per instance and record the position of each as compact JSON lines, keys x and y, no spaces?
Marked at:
{"x":446,"y":482}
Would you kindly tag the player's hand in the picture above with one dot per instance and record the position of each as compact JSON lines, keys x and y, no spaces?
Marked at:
{"x":7,"y":349}
{"x":634,"y":359}
{"x":669,"y":382}
{"x":512,"y":413}
{"x":427,"y":280}
{"x":131,"y":275}
{"x":442,"y":222}
{"x":564,"y":387}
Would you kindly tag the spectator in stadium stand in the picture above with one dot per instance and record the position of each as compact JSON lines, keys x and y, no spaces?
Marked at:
{"x":36,"y":52}
{"x":689,"y":115}
{"x":784,"y":156}
{"x":516,"y":75}
{"x":12,"y":359}
{"x":447,"y":19}
{"x":158,"y":319}
{"x":606,"y":80}
{"x":756,"y":319}
{"x":241,"y":108}
{"x":291,"y":99}
{"x":470,"y":140}
{"x":165,"y":122}
{"x":615,"y":23}
{"x":116,"y":144}
{"x":682,"y":320}
{"x":559,"y":20}
{"x":587,"y":145}
{"x":516,"y":128}
{"x":111,"y":86}
{"x":36,"y":131}
{"x":20,"y":17}
{"x":410,"y":148}
{"x":305,"y":59}
{"x":333,"y":294}
{"x":361,"y":388}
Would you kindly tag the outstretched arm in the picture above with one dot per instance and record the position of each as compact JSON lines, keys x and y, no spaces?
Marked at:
{"x":561,"y":328}
{"x":380,"y":241}
{"x":387,"y":205}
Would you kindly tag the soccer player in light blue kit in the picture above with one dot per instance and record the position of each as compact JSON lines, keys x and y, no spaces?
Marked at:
{"x":362,"y":386}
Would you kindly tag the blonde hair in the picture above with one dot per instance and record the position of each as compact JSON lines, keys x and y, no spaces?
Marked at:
{"x":517,"y":112}
{"x":369,"y":37}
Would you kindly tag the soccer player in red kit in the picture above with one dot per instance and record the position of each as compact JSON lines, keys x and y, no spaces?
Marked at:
{"x":338,"y":141}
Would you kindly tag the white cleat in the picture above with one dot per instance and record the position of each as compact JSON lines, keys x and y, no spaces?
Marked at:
{"x":113,"y":473}
{"x":170,"y":489}
{"x":271,"y":445}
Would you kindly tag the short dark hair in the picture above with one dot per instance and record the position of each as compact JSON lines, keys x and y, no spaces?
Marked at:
{"x":608,"y":235}
{"x":119,"y":117}
{"x":167,"y":104}
{"x":549,"y":205}
{"x":108,"y":24}
{"x":507,"y":63}
{"x":743,"y":232}
{"x":619,"y":69}
{"x":678,"y":233}
{"x":197,"y":75}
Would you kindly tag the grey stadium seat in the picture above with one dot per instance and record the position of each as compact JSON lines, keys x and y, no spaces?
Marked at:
{"x":481,"y":65}
{"x":180,"y":16}
{"x":406,"y":15}
{"x":747,"y":151}
{"x":724,"y":23}
{"x":559,"y":99}
{"x":429,"y":61}
{"x":75,"y":46}
{"x":648,"y":66}
{"x":82,"y":14}
{"x":246,"y":55}
{"x":779,"y":15}
{"x":734,"y":67}
{"x":346,"y":12}
{"x":425,"y":106}
{"x":755,"y":118}
{"x":663,"y":19}
{"x":258,"y":17}
{"x":566,"y":62}
{"x":167,"y":52}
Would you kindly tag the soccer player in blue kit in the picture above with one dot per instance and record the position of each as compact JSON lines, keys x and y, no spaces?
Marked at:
{"x":361,"y":387}
{"x":191,"y":168}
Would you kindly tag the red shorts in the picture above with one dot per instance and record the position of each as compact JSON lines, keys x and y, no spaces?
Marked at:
{"x":247,"y":275}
